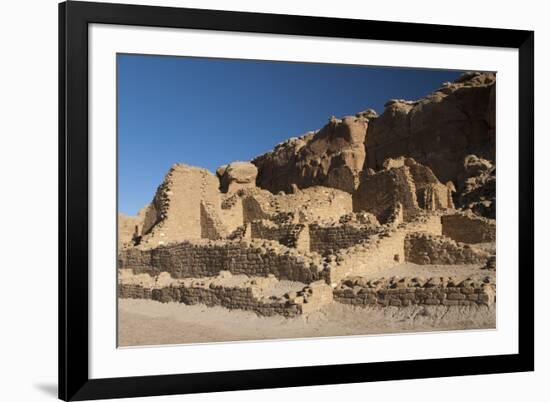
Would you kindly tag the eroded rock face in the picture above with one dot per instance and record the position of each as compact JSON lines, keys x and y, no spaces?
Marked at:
{"x":236,"y":176}
{"x":333,"y":156}
{"x":439,"y":130}
{"x":477,"y":187}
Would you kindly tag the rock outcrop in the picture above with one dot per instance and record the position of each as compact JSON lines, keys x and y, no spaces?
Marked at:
{"x":333,"y":156}
{"x":477,"y":187}
{"x":439,"y":130}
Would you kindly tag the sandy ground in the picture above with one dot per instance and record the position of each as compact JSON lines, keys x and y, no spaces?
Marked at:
{"x":426,"y":271}
{"x":147,"y":322}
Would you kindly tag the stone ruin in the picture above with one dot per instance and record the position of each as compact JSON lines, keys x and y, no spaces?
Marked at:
{"x":322,"y":217}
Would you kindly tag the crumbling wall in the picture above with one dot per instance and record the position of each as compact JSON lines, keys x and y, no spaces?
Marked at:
{"x":207,"y":258}
{"x":128,"y":227}
{"x":252,"y":295}
{"x":327,"y":238}
{"x":379,"y":251}
{"x":431,"y":194}
{"x":231,"y":212}
{"x":380,"y":192}
{"x":286,"y":234}
{"x":469,"y":228}
{"x":376,"y":253}
{"x":211,"y":225}
{"x":414,"y":291}
{"x":176,"y":207}
{"x":423,"y":248}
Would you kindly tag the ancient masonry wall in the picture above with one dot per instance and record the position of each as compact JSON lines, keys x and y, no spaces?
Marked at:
{"x":379,"y":251}
{"x":378,"y":194}
{"x":289,"y":235}
{"x":468,"y":228}
{"x":248,"y":296}
{"x":212,"y":226}
{"x":423,"y":248}
{"x":405,"y":292}
{"x":231,"y":212}
{"x":176,"y":208}
{"x":207,"y":258}
{"x":327,"y":238}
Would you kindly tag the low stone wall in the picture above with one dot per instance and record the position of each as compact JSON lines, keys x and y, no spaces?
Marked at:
{"x":290,"y":235}
{"x":327,"y":238}
{"x":376,"y":253}
{"x":424,"y":248}
{"x":414,"y":291}
{"x":249,"y":295}
{"x":207,"y":258}
{"x":379,"y":251}
{"x":469,"y":228}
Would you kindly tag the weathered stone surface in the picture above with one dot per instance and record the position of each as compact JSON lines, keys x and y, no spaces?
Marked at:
{"x":469,"y":228}
{"x":359,"y":196}
{"x":333,"y":157}
{"x":477,"y":187}
{"x":260,"y":295}
{"x":440,"y":129}
{"x":405,"y":182}
{"x":236,"y":176}
{"x":423,"y":248}
{"x":396,"y":292}
{"x":380,"y":192}
{"x":185,"y":206}
{"x":128,"y":228}
{"x":302,"y":206}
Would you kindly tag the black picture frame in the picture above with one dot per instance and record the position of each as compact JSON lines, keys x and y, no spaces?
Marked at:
{"x":74,"y":381}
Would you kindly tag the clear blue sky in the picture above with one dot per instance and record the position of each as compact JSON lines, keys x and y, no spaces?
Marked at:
{"x":208,"y":112}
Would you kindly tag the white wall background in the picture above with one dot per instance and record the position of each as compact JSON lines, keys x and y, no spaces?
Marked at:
{"x":28,"y":198}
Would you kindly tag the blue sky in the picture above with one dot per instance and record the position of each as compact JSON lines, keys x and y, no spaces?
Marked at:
{"x":208,"y":112}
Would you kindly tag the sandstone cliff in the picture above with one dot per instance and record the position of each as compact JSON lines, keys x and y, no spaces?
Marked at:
{"x":445,"y":131}
{"x":439,"y":130}
{"x":333,"y":156}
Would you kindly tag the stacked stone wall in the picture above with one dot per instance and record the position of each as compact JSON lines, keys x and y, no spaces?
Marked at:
{"x":286,"y":234}
{"x":331,"y":238}
{"x":207,"y":258}
{"x":231,"y":298}
{"x":469,"y":228}
{"x":212,"y":226}
{"x":406,"y":292}
{"x":379,"y":251}
{"x":250,"y":295}
{"x":423,"y":248}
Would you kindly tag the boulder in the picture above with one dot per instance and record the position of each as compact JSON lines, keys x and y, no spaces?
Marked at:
{"x":236,"y":176}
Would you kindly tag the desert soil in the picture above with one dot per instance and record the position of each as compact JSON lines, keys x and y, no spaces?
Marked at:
{"x":146,"y":322}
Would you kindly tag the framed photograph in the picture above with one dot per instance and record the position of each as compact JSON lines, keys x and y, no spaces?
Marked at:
{"x":259,"y":201}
